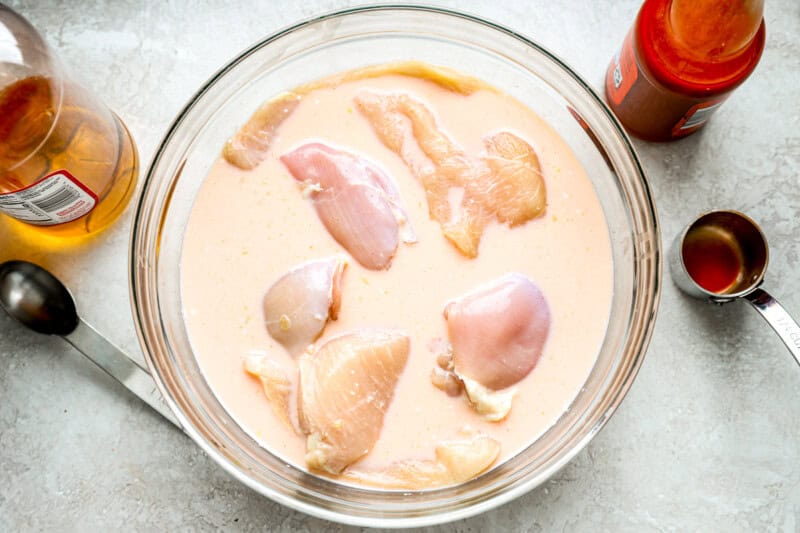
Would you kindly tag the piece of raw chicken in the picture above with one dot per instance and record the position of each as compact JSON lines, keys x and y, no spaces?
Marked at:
{"x":464,"y":193}
{"x":358,"y":204}
{"x":300,"y":303}
{"x":250,"y":145}
{"x":457,"y":461}
{"x":345,"y":388}
{"x":276,"y":385}
{"x":497,"y":334}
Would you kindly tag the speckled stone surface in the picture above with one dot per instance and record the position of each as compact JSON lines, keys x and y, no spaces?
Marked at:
{"x":708,"y":438}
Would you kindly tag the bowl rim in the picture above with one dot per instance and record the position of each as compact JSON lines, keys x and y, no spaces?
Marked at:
{"x":652,"y":246}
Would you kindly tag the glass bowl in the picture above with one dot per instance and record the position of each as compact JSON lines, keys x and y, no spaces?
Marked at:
{"x":342,"y":41}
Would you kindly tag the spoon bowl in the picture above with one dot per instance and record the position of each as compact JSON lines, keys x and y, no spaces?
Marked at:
{"x":36,"y":298}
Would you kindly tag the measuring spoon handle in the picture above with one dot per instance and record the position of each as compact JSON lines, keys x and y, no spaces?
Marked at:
{"x":119,"y":366}
{"x":777,"y":317}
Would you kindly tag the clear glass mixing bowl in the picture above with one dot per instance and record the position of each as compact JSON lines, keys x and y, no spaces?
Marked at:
{"x":343,"y":41}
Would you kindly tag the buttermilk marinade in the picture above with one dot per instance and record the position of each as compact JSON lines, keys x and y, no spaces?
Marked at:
{"x":373,"y":238}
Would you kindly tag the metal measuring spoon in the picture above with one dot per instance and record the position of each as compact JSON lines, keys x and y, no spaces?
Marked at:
{"x":41,"y":302}
{"x":722,"y":256}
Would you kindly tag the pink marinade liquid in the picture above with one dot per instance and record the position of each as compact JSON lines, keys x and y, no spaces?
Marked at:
{"x":247,"y":228}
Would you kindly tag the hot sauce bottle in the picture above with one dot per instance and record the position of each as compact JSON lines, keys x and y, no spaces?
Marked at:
{"x":680,"y":61}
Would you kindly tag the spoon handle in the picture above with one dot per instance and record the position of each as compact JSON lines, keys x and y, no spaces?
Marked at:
{"x":119,"y":366}
{"x":777,"y":317}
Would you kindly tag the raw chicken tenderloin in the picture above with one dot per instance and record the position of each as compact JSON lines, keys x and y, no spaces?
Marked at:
{"x":251,"y":144}
{"x":465,"y":192}
{"x":456,"y":461}
{"x":277,"y":387}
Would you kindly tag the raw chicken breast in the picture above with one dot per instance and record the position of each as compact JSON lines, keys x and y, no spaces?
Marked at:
{"x":497,"y":334}
{"x":457,"y":461}
{"x":464,"y":193}
{"x":358,"y":204}
{"x":300,"y":303}
{"x":346,"y":387}
{"x":498,"y":331}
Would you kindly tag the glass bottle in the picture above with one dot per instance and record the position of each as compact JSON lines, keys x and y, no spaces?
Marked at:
{"x":680,"y":61}
{"x":68,"y":165}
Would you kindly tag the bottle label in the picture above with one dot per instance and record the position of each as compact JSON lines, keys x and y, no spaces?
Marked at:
{"x":623,"y":72}
{"x":55,"y":199}
{"x":695,"y":117}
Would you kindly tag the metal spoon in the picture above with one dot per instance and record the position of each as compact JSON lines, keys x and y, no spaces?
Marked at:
{"x":41,"y":302}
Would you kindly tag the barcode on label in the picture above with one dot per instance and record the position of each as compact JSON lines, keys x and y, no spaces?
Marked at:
{"x":61,"y":198}
{"x":55,"y":199}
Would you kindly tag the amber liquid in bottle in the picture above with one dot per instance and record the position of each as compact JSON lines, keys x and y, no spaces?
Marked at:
{"x":680,"y":61}
{"x":45,"y":129}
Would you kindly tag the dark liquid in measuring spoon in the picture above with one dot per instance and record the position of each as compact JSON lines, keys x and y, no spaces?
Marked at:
{"x":713,"y":259}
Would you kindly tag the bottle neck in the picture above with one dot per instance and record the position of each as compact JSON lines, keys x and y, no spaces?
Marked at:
{"x":714,"y":30}
{"x":700,"y":47}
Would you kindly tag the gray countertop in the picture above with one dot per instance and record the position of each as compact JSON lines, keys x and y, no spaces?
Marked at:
{"x":708,"y":438}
